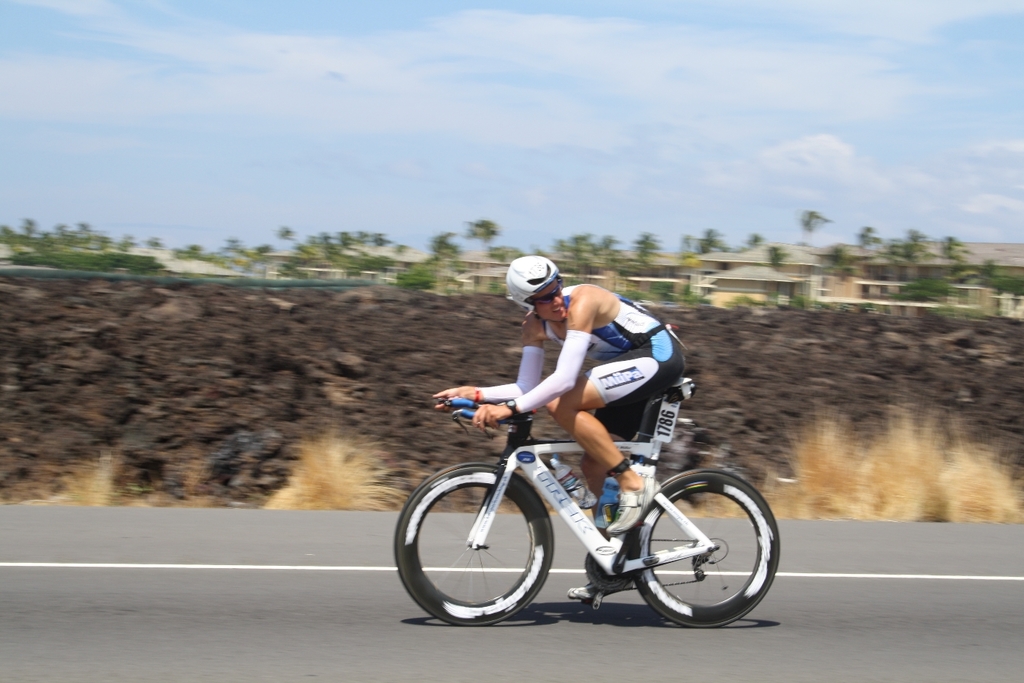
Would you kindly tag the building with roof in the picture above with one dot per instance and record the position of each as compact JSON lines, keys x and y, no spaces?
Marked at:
{"x":873,"y":278}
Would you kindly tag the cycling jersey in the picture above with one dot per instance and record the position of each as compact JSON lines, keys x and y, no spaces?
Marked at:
{"x":631,"y":328}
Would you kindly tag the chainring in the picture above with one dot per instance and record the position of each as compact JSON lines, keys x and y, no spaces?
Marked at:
{"x":603,"y":581}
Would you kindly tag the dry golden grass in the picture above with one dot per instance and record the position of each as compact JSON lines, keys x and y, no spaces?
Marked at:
{"x":918,"y":470}
{"x":94,"y":485}
{"x":337,"y":474}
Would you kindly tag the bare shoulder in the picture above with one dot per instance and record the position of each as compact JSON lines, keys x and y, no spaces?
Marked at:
{"x":592,"y":306}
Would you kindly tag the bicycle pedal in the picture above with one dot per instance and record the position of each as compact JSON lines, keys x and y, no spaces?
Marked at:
{"x":596,"y":602}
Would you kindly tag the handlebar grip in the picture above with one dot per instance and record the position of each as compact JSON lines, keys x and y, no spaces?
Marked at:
{"x":468,"y":414}
{"x":462,"y":403}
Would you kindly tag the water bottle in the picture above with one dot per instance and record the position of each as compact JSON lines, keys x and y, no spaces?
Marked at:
{"x":571,"y":483}
{"x":607,"y":504}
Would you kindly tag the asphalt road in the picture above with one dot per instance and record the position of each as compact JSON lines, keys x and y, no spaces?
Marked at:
{"x":354,"y":622}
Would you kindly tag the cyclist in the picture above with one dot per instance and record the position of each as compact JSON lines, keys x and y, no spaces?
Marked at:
{"x":638,"y":357}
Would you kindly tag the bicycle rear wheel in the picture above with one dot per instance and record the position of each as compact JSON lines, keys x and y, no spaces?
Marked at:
{"x":449,"y":579}
{"x":721,"y":587}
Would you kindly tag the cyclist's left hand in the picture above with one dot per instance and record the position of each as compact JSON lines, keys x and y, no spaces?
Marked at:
{"x":488,"y":415}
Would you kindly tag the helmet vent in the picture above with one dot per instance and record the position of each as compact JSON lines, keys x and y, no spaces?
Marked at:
{"x":539,"y":280}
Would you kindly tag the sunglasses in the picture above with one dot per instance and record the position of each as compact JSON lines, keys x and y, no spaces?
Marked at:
{"x":547,"y":298}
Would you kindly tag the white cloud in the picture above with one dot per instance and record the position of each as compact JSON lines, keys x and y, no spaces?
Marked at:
{"x":806,"y":168}
{"x":495,"y":77}
{"x":971,"y":192}
{"x":992,"y":203}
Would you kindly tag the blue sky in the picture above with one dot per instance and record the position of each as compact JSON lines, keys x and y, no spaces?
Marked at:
{"x":198,"y":121}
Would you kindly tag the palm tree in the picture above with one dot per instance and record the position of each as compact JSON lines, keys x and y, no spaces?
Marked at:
{"x":842,"y":260}
{"x":645,"y":247}
{"x":257,"y":259}
{"x":377,"y":239}
{"x":711,"y":241}
{"x":285,"y":233}
{"x":608,"y":259}
{"x":689,"y":260}
{"x":607,"y":253}
{"x":442,"y":247}
{"x":909,"y":250}
{"x":444,"y":253}
{"x":483,"y":230}
{"x":811,"y":221}
{"x":755,"y":240}
{"x":126,"y":243}
{"x":868,"y":238}
{"x":190,"y":252}
{"x":155,"y":243}
{"x":504,"y":254}
{"x":955,"y":251}
{"x":777,"y":256}
{"x":580,"y":251}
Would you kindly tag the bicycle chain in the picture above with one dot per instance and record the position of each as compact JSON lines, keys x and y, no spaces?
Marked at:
{"x":608,"y":584}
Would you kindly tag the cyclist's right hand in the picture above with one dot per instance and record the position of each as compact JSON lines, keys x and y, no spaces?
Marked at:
{"x":455,"y":392}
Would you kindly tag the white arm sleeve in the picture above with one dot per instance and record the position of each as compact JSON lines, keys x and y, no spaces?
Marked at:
{"x":570,"y":362}
{"x":530,"y":368}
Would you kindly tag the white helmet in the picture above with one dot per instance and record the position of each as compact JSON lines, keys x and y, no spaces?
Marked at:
{"x":526,"y":276}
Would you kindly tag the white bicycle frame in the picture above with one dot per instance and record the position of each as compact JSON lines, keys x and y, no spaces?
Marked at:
{"x":603,"y":550}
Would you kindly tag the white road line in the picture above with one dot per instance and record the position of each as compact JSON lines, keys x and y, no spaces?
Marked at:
{"x":353,"y":568}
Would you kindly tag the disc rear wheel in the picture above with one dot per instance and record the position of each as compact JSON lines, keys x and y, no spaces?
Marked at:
{"x":726,"y":583}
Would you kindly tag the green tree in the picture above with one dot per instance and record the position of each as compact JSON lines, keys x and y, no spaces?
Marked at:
{"x":1008,"y":283}
{"x":155,"y":243}
{"x":867,"y":238}
{"x":126,"y":243}
{"x":954,"y":250}
{"x":372,"y":239}
{"x":444,"y":253}
{"x":606,"y":253}
{"x":777,"y":256}
{"x":925,"y":289}
{"x":286,"y":234}
{"x":579,"y":249}
{"x":646,"y":248}
{"x":910,"y":250}
{"x":483,"y":230}
{"x":90,"y":261}
{"x":841,"y":261}
{"x":811,"y":221}
{"x":442,"y":247}
{"x":755,"y":240}
{"x":711,"y":241}
{"x":504,"y":254}
{"x":419,"y":276}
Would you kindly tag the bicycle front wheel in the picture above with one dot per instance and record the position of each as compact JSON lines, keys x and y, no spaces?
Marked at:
{"x":718,"y":588}
{"x":451,"y":580}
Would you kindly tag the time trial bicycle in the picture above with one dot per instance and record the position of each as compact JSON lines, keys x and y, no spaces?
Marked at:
{"x":474,"y":542}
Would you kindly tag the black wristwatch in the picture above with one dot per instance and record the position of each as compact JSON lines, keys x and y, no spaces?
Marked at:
{"x":511,"y":405}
